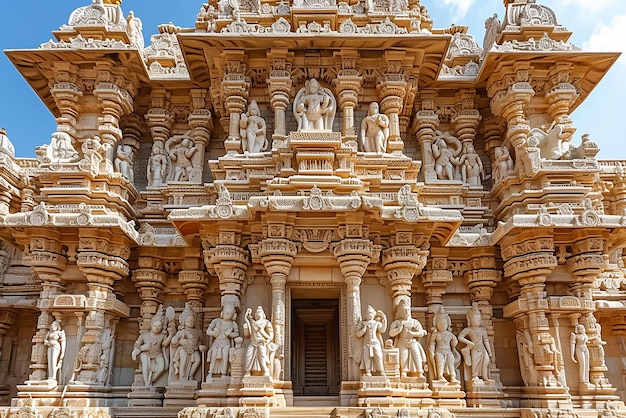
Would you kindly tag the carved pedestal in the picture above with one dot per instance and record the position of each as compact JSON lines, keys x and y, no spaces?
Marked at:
{"x":214,"y":392}
{"x":257,"y":391}
{"x":448,"y":394}
{"x":145,"y":396}
{"x":180,"y":393}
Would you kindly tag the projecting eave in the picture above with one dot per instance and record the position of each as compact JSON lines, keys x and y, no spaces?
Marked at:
{"x":587,"y":68}
{"x":34,"y":64}
{"x":201,"y":49}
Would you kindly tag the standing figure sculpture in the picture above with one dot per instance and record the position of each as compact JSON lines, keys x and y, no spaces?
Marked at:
{"x":253,"y":130}
{"x":405,"y":331}
{"x":224,"y":330}
{"x":370,"y":330}
{"x":261,"y":333}
{"x":157,"y":166}
{"x":504,"y":165}
{"x":446,"y":158}
{"x":314,"y":107}
{"x":151,"y":348}
{"x":580,"y":352}
{"x":477,"y":350}
{"x":375,"y":130}
{"x":472,"y":171}
{"x":186,"y":346}
{"x":124,"y":162}
{"x":181,"y":151}
{"x":442,"y":348}
{"x":55,"y":341}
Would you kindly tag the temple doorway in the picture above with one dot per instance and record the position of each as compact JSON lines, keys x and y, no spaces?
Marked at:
{"x":315,"y":347}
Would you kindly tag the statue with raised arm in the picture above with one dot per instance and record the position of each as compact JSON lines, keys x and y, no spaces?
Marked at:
{"x":186,"y":346}
{"x":477,"y":350}
{"x":375,"y":130}
{"x":442,"y":347}
{"x":181,"y":150}
{"x":157,"y":166}
{"x":55,"y":340}
{"x":151,"y":348}
{"x":253,"y":130}
{"x":224,"y":330}
{"x":370,"y":330}
{"x":405,"y":331}
{"x":314,"y":107}
{"x":446,"y":150}
{"x":580,"y":352}
{"x":260,"y":332}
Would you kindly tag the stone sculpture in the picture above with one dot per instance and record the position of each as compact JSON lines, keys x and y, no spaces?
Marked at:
{"x":526,"y":353}
{"x":442,"y":348}
{"x":186,"y":347}
{"x":157,"y":166}
{"x":181,"y":150}
{"x":369,"y":331}
{"x":477,"y":350}
{"x":472,"y":171}
{"x":124,"y":162}
{"x":446,"y":150}
{"x":314,"y":107}
{"x":260,"y":332}
{"x":405,"y":331}
{"x":224,"y":330}
{"x":253,"y":130}
{"x":151,"y":348}
{"x":55,"y":340}
{"x":580,"y":352}
{"x":375,"y":130}
{"x":61,"y":148}
{"x":504,"y":165}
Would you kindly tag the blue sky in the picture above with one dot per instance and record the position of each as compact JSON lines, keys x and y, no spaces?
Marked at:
{"x":598,"y":25}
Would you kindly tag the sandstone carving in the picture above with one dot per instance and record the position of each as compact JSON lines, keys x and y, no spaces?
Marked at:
{"x":314,"y":107}
{"x":55,"y":341}
{"x":369,"y":331}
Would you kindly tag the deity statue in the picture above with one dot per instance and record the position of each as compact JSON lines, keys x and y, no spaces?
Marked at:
{"x":446,"y":158}
{"x":442,"y":347}
{"x":55,"y":341}
{"x":124,"y":162}
{"x":253,"y":130}
{"x":580,"y":352}
{"x":186,"y":347}
{"x":260,"y":332}
{"x":504,"y":163}
{"x":472,"y":171}
{"x":181,"y":150}
{"x":61,"y":148}
{"x":405,"y":331}
{"x":157,"y":166}
{"x":151,"y":348}
{"x":370,"y":330}
{"x":314,"y":107}
{"x":477,"y":350}
{"x":526,"y":353}
{"x":224,"y":330}
{"x":375,"y":130}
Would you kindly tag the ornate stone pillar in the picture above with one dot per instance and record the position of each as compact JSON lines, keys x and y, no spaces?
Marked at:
{"x":235,"y":91}
{"x":392,"y":88}
{"x":467,"y":118}
{"x":7,"y":320}
{"x":348,"y":85}
{"x":201,"y":124}
{"x":427,"y":123}
{"x":510,"y":92}
{"x":150,"y":281}
{"x":195,"y":282}
{"x":401,"y":262}
{"x":561,"y":97}
{"x":65,"y":90}
{"x":279,"y":86}
{"x":131,"y":135}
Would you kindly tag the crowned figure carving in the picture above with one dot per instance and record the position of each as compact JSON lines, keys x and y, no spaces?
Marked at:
{"x":314,"y":107}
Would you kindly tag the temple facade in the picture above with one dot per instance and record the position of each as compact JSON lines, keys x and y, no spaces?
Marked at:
{"x":312,"y":208}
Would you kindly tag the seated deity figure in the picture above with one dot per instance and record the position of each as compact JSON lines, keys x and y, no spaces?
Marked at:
{"x":472,"y":171}
{"x":157,"y":166}
{"x":55,"y":340}
{"x":375,"y":130}
{"x":314,"y":107}
{"x":580,"y":352}
{"x":405,"y":331}
{"x":124,"y":161}
{"x":151,"y":348}
{"x":186,"y":347}
{"x":446,"y":150}
{"x":253,"y":130}
{"x":370,"y":330}
{"x":442,"y":347}
{"x":477,"y":350}
{"x":259,"y":330}
{"x":224,"y":330}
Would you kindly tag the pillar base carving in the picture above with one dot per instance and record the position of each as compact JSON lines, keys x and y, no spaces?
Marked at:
{"x":146,"y":396}
{"x":546,"y":397}
{"x":448,"y":394}
{"x":181,"y":393}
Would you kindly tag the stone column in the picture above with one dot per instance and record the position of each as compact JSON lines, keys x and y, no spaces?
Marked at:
{"x":391,"y":91}
{"x":131,"y":135}
{"x":348,"y":85}
{"x":7,"y":320}
{"x":150,"y":281}
{"x":427,"y":123}
{"x":561,"y":96}
{"x":66,"y":93}
{"x":279,"y":86}
{"x":195,"y":282}
{"x":510,"y":92}
{"x":201,"y":124}
{"x":401,"y":263}
{"x":235,"y":91}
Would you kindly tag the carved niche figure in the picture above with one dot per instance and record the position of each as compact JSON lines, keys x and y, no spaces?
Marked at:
{"x":504,"y":165}
{"x":375,"y":130}
{"x":580,"y":352}
{"x":370,"y":330}
{"x":186,"y":347}
{"x":526,"y":353}
{"x":260,"y":332}
{"x":157,"y":166}
{"x":181,"y":150}
{"x":551,"y":144}
{"x":477,"y":350}
{"x":253,"y":130}
{"x":442,"y":347}
{"x":55,"y":340}
{"x":472,"y":171}
{"x":314,"y":107}
{"x":446,"y":150}
{"x":151,"y":348}
{"x":61,"y":148}
{"x":405,"y":331}
{"x":124,"y":162}
{"x":224,"y":330}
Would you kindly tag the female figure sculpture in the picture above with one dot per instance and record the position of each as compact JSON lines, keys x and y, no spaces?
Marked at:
{"x":261,"y":333}
{"x":471,"y":166}
{"x":442,"y":348}
{"x":253,"y":130}
{"x":151,"y":348}
{"x":375,"y":130}
{"x":370,"y":331}
{"x":504,"y":163}
{"x":124,"y":161}
{"x":55,"y":341}
{"x":157,"y":166}
{"x":580,"y":352}
{"x":181,"y":151}
{"x":314,"y":107}
{"x":405,"y":331}
{"x":186,"y":343}
{"x":477,"y":350}
{"x":224,"y":330}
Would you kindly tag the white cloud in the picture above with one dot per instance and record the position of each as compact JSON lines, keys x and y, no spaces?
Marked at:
{"x":460,"y":7}
{"x":587,"y":6}
{"x":608,"y":37}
